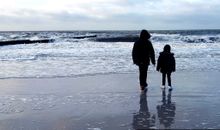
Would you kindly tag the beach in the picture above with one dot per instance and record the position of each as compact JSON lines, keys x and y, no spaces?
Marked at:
{"x":110,"y":101}
{"x":86,"y":80}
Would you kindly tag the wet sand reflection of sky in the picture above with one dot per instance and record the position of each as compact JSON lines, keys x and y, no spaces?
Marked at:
{"x":144,"y":119}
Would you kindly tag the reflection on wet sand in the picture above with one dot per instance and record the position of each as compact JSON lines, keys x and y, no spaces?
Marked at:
{"x":166,"y":111}
{"x":143,"y":119}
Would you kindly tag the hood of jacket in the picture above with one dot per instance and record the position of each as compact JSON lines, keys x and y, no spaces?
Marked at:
{"x":166,"y":53}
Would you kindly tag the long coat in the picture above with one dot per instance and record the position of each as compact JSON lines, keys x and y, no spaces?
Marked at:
{"x":166,"y":62}
{"x":143,"y":52}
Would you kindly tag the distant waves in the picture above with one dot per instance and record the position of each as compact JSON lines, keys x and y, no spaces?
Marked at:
{"x":74,"y":53}
{"x":117,"y":39}
{"x":14,"y":42}
{"x":185,"y":36}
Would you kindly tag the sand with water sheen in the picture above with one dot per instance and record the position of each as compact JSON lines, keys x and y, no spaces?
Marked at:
{"x":114,"y":101}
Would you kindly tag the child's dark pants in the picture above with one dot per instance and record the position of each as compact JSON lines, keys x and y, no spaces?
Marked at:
{"x":168,"y":78}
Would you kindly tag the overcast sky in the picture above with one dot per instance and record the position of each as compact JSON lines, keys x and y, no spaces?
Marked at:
{"x":109,"y":14}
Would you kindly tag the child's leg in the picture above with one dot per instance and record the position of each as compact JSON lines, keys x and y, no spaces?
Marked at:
{"x":169,"y":79}
{"x":163,"y":78}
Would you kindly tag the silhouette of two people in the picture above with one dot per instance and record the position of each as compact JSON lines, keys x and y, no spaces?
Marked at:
{"x":165,"y":112}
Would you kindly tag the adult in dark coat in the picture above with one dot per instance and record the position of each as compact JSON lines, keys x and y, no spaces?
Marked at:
{"x":142,"y":54}
{"x":166,"y":65}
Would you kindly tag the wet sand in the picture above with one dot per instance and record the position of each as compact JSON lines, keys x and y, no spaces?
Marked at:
{"x":113,"y":101}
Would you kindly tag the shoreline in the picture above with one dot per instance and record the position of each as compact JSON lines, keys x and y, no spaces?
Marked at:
{"x":153,"y":72}
{"x":109,"y":101}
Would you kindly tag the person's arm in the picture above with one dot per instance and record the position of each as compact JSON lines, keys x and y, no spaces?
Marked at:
{"x":174,"y":64}
{"x":158,"y":63}
{"x":134,"y":54}
{"x":152,"y":54}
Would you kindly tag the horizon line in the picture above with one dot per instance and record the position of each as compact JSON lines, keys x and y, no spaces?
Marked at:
{"x":105,"y":30}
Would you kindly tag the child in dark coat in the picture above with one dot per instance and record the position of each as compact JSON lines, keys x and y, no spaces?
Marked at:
{"x":166,"y":65}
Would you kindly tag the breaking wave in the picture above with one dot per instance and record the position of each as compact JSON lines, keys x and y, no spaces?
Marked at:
{"x":76,"y":53}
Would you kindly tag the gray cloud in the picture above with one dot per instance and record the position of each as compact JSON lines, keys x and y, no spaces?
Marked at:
{"x":125,"y":14}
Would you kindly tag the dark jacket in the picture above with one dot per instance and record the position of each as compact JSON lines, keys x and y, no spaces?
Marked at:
{"x":143,"y":52}
{"x":166,"y":62}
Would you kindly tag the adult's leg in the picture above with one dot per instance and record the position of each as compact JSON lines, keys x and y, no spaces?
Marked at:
{"x":143,"y":75}
{"x":163,"y":78}
{"x":169,"y":79}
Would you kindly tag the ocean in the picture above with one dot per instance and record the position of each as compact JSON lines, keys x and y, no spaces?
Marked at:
{"x":82,"y":53}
